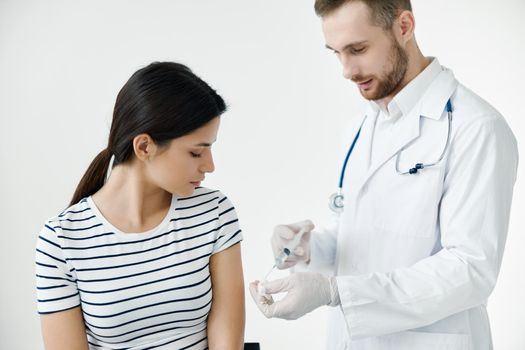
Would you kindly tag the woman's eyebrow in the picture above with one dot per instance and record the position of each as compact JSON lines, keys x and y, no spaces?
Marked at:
{"x":203,"y":144}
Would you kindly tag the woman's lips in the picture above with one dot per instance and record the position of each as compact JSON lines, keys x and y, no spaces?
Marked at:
{"x":196,"y":183}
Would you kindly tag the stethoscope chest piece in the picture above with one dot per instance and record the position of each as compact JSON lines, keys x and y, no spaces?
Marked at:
{"x":336,"y":202}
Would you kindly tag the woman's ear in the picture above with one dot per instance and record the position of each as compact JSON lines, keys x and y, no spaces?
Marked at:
{"x":144,"y":147}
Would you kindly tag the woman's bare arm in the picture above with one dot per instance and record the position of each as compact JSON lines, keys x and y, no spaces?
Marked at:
{"x":64,"y":330}
{"x":226,"y":318}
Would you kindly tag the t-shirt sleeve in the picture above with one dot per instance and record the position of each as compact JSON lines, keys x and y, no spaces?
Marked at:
{"x":56,"y":286}
{"x":228,"y":231}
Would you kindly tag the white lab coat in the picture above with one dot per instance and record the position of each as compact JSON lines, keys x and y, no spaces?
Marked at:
{"x":416,"y":256}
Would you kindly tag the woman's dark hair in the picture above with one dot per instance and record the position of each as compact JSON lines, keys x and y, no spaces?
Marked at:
{"x":164,"y":100}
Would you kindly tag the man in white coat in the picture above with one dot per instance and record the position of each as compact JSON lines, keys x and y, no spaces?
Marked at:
{"x":413,"y":257}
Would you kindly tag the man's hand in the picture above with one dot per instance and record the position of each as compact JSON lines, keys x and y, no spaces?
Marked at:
{"x":305,"y":292}
{"x":283,"y":234}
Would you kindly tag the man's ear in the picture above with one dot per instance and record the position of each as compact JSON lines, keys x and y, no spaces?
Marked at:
{"x":144,"y":147}
{"x":405,"y":25}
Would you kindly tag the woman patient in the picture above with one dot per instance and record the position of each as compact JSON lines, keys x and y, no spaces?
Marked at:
{"x":144,"y":257}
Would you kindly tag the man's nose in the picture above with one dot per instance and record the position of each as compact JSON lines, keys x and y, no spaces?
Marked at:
{"x":350,"y":69}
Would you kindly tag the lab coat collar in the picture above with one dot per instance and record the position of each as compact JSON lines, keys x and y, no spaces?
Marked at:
{"x":411,"y":94}
{"x":406,"y":99}
{"x":431,"y":105}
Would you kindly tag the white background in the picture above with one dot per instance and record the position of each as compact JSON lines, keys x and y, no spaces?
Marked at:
{"x":63,"y":62}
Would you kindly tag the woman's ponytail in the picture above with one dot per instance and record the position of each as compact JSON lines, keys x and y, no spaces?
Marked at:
{"x":94,"y":178}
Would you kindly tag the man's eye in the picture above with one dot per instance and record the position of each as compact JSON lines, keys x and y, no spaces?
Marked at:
{"x":357,"y":51}
{"x":195,"y":155}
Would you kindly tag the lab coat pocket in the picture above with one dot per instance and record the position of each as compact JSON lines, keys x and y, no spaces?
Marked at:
{"x":428,"y":341}
{"x":408,"y":205}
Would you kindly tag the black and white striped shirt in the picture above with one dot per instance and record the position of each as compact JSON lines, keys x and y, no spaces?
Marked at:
{"x":148,"y":290}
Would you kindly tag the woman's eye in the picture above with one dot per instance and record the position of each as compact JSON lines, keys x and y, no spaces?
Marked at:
{"x":357,"y":51}
{"x":195,"y":155}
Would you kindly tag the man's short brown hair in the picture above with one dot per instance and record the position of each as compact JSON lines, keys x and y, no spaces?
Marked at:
{"x":383,"y":12}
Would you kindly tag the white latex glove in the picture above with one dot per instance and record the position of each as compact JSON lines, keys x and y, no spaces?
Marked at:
{"x":283,"y":234}
{"x":306,"y":291}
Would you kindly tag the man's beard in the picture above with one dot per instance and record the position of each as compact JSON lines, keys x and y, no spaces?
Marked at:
{"x":390,"y":81}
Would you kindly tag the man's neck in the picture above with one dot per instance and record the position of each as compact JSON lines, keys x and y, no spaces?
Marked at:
{"x":417,"y":64}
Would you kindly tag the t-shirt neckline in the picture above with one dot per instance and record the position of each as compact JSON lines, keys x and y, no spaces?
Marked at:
{"x":150,"y":232}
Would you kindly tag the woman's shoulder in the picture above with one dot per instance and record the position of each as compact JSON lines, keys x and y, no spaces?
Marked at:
{"x":203,"y":196}
{"x":71,"y":217}
{"x":206,"y":202}
{"x":213,"y":207}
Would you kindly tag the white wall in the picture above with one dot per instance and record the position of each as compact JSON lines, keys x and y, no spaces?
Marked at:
{"x":63,"y":62}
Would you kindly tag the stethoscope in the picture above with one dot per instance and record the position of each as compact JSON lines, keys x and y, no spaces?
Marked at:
{"x":336,"y":200}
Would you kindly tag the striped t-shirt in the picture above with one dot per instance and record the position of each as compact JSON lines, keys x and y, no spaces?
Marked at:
{"x":148,"y":290}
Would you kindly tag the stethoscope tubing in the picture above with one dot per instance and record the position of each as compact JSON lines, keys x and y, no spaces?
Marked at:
{"x":336,"y":200}
{"x":420,"y":166}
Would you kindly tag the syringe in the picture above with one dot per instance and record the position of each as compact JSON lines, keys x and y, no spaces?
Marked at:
{"x":287,"y":250}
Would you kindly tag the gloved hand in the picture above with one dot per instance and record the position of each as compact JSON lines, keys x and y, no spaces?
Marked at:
{"x":283,"y":234}
{"x":306,"y":291}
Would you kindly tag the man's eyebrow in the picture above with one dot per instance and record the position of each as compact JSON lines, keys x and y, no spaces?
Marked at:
{"x":347,"y":46}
